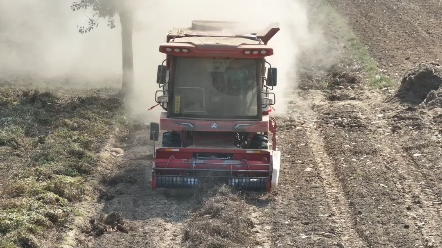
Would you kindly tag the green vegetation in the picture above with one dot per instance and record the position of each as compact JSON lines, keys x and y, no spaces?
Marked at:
{"x":357,"y":49}
{"x":362,"y":55}
{"x":50,"y":142}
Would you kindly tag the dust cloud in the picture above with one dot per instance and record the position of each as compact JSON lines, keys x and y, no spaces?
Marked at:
{"x":40,"y":39}
{"x":155,"y":18}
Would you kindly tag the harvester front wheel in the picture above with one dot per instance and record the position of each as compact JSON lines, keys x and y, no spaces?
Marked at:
{"x":171,"y":139}
{"x":259,"y":141}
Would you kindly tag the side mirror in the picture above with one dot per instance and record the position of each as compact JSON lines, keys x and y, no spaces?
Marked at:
{"x":272,"y":76}
{"x":161,"y":74}
{"x":154,"y":131}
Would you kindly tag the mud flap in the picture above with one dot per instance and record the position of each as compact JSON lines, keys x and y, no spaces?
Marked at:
{"x":276,"y":164}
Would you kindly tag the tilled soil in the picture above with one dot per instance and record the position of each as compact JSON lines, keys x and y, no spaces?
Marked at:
{"x":310,"y":209}
{"x":151,"y":219}
{"x":399,"y":34}
{"x":355,"y":173}
{"x":393,"y":202}
{"x":360,"y":167}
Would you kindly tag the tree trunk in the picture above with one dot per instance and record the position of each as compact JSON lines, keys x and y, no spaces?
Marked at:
{"x":126,"y":20}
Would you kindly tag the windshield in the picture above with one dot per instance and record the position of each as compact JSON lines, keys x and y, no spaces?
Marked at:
{"x":215,"y":87}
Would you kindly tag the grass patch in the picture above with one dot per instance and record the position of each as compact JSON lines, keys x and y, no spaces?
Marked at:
{"x":358,"y":51}
{"x":51,"y":141}
{"x":362,"y":55}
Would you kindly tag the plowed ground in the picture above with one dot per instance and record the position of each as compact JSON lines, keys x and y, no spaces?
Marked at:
{"x":399,"y":34}
{"x":360,"y":167}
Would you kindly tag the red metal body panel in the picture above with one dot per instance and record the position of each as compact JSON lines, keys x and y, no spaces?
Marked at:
{"x":179,"y":160}
{"x":182,"y":124}
{"x":177,"y":164}
{"x":186,"y":153}
{"x":216,"y":51}
{"x":217,"y":43}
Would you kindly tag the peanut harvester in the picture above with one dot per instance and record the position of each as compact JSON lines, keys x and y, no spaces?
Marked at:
{"x":217,"y":99}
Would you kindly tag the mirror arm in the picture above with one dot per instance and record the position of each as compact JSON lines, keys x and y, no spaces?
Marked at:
{"x":268,"y":63}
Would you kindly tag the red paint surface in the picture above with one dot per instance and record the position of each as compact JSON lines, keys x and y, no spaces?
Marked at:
{"x":221,"y":52}
{"x":180,"y":162}
{"x":206,"y":125}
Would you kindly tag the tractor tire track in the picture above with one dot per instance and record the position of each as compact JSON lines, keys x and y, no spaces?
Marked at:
{"x":310,"y":208}
{"x":388,"y":195}
{"x":335,"y":195}
{"x":262,"y":229}
{"x":417,"y":195}
{"x":412,"y":183}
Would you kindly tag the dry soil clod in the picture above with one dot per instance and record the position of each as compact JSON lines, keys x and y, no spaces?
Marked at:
{"x":117,"y":152}
{"x":419,"y":82}
{"x":106,"y":223}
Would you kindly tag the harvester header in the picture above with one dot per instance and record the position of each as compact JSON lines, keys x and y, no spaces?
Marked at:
{"x":217,"y":102}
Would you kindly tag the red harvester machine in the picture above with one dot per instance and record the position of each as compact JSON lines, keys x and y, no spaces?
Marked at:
{"x":217,"y":100}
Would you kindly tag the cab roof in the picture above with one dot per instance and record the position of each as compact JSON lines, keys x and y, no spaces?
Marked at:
{"x":217,"y":40}
{"x":211,"y":32}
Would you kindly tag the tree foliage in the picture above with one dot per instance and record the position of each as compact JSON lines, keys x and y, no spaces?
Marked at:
{"x":102,"y":9}
{"x":109,"y":9}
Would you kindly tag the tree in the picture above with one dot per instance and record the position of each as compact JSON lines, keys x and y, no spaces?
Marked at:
{"x":108,"y":9}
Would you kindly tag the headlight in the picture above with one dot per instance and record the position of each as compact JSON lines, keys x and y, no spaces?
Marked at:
{"x":267,"y":101}
{"x":162,"y":99}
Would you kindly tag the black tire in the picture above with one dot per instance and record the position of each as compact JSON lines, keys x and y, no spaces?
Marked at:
{"x":171,"y":139}
{"x":259,"y":141}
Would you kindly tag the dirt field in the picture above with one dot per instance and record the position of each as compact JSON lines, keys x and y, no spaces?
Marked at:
{"x":399,"y":34}
{"x":361,"y":165}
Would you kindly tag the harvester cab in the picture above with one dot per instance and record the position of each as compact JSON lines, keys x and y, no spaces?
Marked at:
{"x":217,"y":101}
